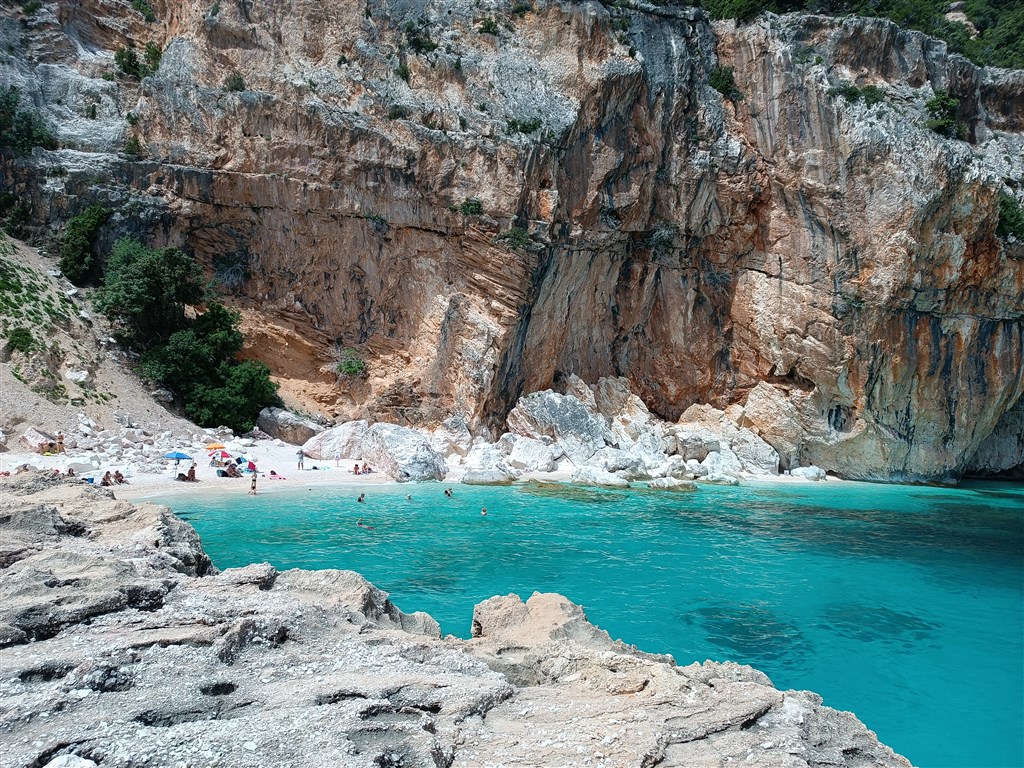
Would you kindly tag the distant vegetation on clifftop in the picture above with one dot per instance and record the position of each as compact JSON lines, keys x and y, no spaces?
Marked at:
{"x":999,"y":23}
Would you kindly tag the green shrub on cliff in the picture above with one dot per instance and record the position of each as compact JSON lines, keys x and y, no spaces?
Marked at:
{"x":351,"y":364}
{"x":22,"y":129}
{"x":942,"y":110}
{"x":722,"y":80}
{"x":1011,"y":218}
{"x":234,"y":82}
{"x":144,"y":8}
{"x":77,"y":261}
{"x":128,"y":61}
{"x":145,"y":293}
{"x":145,"y":290}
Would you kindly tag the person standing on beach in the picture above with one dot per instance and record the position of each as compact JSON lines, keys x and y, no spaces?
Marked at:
{"x":252,"y":485}
{"x":60,"y":442}
{"x":301,"y":456}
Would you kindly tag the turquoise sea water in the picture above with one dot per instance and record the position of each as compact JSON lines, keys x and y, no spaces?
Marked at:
{"x":902,"y":604}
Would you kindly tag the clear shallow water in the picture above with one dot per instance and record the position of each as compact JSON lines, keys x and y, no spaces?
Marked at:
{"x":902,"y":604}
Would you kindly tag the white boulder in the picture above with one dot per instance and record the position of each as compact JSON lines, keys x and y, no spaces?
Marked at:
{"x":345,"y":439}
{"x":287,"y":426}
{"x":452,"y":437}
{"x":809,"y":473}
{"x":563,"y":418}
{"x":402,"y":453}
{"x":531,"y":455}
{"x":600,"y":477}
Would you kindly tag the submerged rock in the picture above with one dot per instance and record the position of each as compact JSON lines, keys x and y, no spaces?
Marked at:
{"x":672,"y":484}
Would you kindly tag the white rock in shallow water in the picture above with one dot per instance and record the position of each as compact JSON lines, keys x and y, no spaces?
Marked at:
{"x":715,"y":479}
{"x":809,"y":473}
{"x":487,"y":477}
{"x":671,"y":484}
{"x":599,"y":477}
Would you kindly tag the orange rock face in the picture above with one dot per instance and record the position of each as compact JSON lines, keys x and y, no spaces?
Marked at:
{"x":482,"y":218}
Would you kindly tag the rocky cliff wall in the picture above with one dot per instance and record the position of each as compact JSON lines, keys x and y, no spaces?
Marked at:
{"x":841,"y":255}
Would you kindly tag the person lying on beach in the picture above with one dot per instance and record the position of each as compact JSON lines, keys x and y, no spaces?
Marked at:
{"x":232,"y":470}
{"x":71,"y":471}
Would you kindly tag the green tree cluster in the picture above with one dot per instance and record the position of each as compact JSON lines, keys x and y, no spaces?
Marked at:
{"x":1000,"y":23}
{"x":145,"y":293}
{"x":128,"y":60}
{"x":22,"y":129}
{"x":723,"y":81}
{"x":77,"y":261}
{"x":1011,"y":217}
{"x":942,"y":110}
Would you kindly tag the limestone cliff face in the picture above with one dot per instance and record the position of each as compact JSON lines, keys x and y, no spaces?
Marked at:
{"x":831,"y":266}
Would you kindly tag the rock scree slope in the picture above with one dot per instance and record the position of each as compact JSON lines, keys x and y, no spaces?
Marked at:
{"x":480,"y":210}
{"x":122,"y":646}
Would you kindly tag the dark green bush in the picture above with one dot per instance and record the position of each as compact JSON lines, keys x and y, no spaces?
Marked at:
{"x":397,"y":112}
{"x":145,"y":293}
{"x":22,"y":129}
{"x":489,"y":26}
{"x":471,"y":207}
{"x":20,"y":338}
{"x":1011,"y":217}
{"x":234,"y":82}
{"x":524,"y":126}
{"x":942,"y":109}
{"x":723,"y":81}
{"x":516,"y":238}
{"x":403,"y":72}
{"x":351,"y":364}
{"x":31,"y":7}
{"x":869,"y":94}
{"x":144,"y":8}
{"x":133,"y":147}
{"x":76,"y":256}
{"x":128,"y":61}
{"x":418,"y":37}
{"x":145,"y":290}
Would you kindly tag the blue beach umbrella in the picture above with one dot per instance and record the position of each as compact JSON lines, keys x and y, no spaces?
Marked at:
{"x":177,"y":455}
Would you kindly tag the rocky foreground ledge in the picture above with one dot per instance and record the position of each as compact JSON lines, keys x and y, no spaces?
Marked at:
{"x":122,"y":646}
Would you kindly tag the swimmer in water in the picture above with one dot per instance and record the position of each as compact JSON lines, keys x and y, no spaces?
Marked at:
{"x":361,"y":524}
{"x":362,"y":498}
{"x":408,"y":497}
{"x":484,"y":511}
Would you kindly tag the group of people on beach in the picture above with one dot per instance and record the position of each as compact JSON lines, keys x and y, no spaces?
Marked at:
{"x":116,"y":479}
